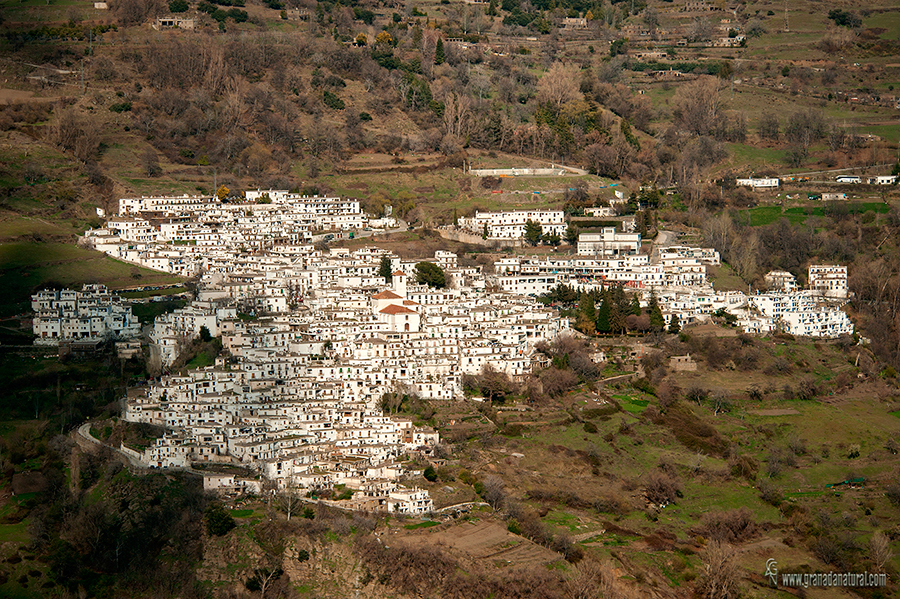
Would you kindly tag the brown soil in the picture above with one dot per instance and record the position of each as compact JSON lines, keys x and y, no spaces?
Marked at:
{"x":14,"y":96}
{"x":484,"y":541}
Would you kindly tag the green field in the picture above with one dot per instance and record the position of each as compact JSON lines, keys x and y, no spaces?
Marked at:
{"x":27,"y":267}
{"x":885,"y":20}
{"x":766,"y":215}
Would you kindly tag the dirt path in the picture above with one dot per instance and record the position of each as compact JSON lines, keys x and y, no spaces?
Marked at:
{"x":775,"y":412}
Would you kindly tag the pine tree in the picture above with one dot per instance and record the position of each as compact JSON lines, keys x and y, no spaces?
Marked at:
{"x":533,"y":232}
{"x":657,"y":321}
{"x":587,"y":314}
{"x":439,"y":52}
{"x":572,"y":234}
{"x":603,"y":316}
{"x":492,"y":9}
{"x":616,"y":319}
{"x":635,"y":305}
{"x":384,"y":269}
{"x":674,"y":324}
{"x":621,"y":300}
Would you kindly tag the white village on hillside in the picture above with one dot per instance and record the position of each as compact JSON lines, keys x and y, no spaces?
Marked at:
{"x":315,"y":338}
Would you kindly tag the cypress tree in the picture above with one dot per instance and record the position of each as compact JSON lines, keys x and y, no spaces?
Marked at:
{"x":635,"y":305}
{"x":384,"y":269}
{"x":674,"y":324}
{"x":657,"y":321}
{"x":603,"y":315}
{"x":439,"y":52}
{"x":616,"y":319}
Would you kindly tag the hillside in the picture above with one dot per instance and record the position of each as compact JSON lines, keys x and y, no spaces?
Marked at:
{"x":774,"y":447}
{"x":637,"y":486}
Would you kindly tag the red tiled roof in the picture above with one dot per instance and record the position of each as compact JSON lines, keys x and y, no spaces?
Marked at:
{"x":395,"y":309}
{"x":386,"y":294}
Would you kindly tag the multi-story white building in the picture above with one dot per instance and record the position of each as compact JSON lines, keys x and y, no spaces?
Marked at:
{"x":780,"y":280}
{"x":759,"y":183}
{"x":511,"y":225}
{"x":90,"y":314}
{"x":609,"y":243}
{"x":829,"y":280}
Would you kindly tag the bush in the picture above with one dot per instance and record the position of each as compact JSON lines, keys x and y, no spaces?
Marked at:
{"x":430,"y":474}
{"x":218,"y":521}
{"x":732,"y":526}
{"x":892,"y":492}
{"x":768,"y":493}
{"x":745,"y":466}
{"x":661,"y":488}
{"x":332,"y":101}
{"x":611,"y":504}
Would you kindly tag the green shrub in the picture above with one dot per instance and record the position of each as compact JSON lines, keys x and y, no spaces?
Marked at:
{"x":218,"y":520}
{"x":332,"y":101}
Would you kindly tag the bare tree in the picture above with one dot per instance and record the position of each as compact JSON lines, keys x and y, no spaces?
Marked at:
{"x":743,"y":255}
{"x":495,"y":492}
{"x":717,"y":232}
{"x":559,"y":85}
{"x":75,"y":133}
{"x":150,"y":163}
{"x":457,"y":113}
{"x":697,"y":104}
{"x":288,"y":501}
{"x":720,"y":578}
{"x":880,"y":550}
{"x":133,"y":12}
{"x":700,"y":30}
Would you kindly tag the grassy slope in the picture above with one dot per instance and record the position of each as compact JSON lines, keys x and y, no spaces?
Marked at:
{"x":827,"y":431}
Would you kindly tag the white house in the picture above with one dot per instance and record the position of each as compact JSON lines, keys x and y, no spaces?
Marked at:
{"x":608,"y":243}
{"x":511,"y":225}
{"x":90,"y":314}
{"x":829,"y":280}
{"x":760,"y":183}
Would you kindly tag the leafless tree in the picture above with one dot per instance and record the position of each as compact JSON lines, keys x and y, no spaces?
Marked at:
{"x":133,"y":12}
{"x":457,"y":114}
{"x":700,"y":30}
{"x":559,"y":85}
{"x":150,"y":163}
{"x":720,"y":579}
{"x":717,"y":232}
{"x":75,"y":133}
{"x":495,"y":492}
{"x":880,"y":550}
{"x":697,"y":104}
{"x":288,"y":501}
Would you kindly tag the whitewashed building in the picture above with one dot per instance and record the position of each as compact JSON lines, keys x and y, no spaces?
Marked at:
{"x":609,"y":243}
{"x":90,"y":314}
{"x":511,"y":225}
